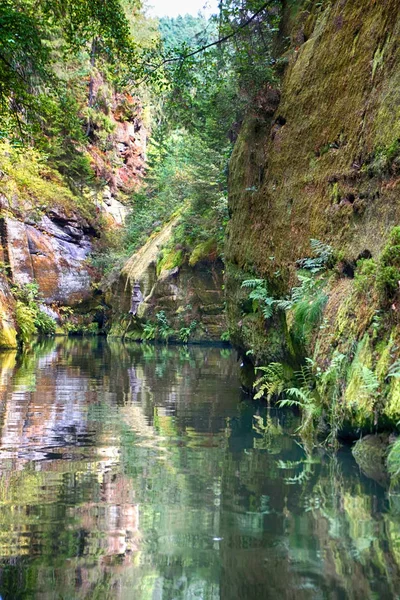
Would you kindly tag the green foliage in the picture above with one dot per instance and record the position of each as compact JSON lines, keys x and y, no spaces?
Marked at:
{"x":186,"y":332}
{"x":260,"y":296}
{"x":384,"y":161}
{"x":272,"y":381}
{"x":31,"y":319}
{"x":307,"y":301}
{"x":184,"y":30}
{"x":79,"y":327}
{"x":149,"y":331}
{"x":183,"y":173}
{"x":44,"y":323}
{"x":324,"y":257}
{"x":364,"y":274}
{"x":26,"y":175}
{"x":211,"y":89}
{"x":292,"y":388}
{"x":225,"y":336}
{"x":25,"y":317}
{"x":388,"y":273}
{"x":164,"y":330}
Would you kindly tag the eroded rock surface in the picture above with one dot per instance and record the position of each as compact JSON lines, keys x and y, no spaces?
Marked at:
{"x":53,"y":254}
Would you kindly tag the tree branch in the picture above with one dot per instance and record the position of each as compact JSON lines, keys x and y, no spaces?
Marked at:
{"x":222,"y":40}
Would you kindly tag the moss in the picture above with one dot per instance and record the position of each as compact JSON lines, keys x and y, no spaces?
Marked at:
{"x":8,"y":336}
{"x":314,"y":185}
{"x":384,"y":351}
{"x":202,"y":251}
{"x":335,"y":193}
{"x":170,"y":259}
{"x":370,"y":453}
{"x":392,"y":404}
{"x":358,"y":399}
{"x":27,"y":176}
{"x":388,"y":274}
{"x":364,"y":275}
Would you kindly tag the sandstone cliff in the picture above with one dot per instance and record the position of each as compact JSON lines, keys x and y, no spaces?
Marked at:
{"x":189,"y":295}
{"x":319,"y":159}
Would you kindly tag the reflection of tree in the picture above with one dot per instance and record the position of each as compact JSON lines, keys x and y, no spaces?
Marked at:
{"x":117,"y":481}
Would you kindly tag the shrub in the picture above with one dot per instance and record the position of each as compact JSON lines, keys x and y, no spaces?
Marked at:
{"x":45,"y":324}
{"x":25,"y":317}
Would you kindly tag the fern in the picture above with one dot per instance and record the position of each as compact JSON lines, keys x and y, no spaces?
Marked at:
{"x":260,"y":296}
{"x":370,"y":382}
{"x":323,"y":257}
{"x":272,"y":382}
{"x":394,"y":369}
{"x":303,"y":396}
{"x":254,"y":283}
{"x":305,"y":375}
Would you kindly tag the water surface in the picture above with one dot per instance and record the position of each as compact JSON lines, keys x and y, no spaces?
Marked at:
{"x":141,"y":473}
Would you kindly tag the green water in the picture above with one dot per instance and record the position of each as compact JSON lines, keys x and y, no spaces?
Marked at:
{"x":141,"y":472}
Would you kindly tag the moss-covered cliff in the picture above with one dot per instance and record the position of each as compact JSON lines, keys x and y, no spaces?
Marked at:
{"x":324,"y":164}
{"x":183,"y":293}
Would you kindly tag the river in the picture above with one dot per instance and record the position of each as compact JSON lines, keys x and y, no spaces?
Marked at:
{"x":141,"y":472}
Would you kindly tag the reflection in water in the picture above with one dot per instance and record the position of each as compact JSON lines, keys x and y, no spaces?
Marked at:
{"x":138,"y":472}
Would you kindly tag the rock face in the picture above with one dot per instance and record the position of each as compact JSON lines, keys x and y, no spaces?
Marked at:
{"x":8,"y":334}
{"x":48,"y":227}
{"x":323,"y":164}
{"x":187,"y":295}
{"x":52,"y":253}
{"x":122,"y":164}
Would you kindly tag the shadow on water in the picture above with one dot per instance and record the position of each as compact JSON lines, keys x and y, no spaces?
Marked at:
{"x":140,"y":472}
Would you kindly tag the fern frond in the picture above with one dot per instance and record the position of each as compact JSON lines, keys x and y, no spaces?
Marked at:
{"x":253,"y":283}
{"x":394,"y":369}
{"x":289,"y":402}
{"x":370,"y":382}
{"x":303,"y":396}
{"x":267,"y":311}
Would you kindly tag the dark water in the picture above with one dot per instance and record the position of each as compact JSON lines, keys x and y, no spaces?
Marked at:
{"x":139,"y":472}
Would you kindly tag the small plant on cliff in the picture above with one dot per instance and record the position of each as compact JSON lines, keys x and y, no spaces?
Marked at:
{"x":31,"y":320}
{"x":388,"y":273}
{"x":44,"y":323}
{"x":304,"y":395}
{"x":272,"y":382}
{"x":307,"y":300}
{"x":292,"y":388}
{"x":164,"y":329}
{"x":25,"y":317}
{"x":186,"y":332}
{"x":149,"y":331}
{"x":324,"y":257}
{"x":261,"y":298}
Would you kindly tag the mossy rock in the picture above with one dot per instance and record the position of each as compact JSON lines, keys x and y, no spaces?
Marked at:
{"x":203,"y":251}
{"x":8,"y":336}
{"x":370,"y":454}
{"x":171,"y":259}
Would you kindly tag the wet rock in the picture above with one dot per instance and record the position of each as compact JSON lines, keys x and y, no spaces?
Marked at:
{"x":370,"y":454}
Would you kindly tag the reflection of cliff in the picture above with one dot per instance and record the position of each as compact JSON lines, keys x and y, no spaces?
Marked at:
{"x":134,"y":472}
{"x":296,"y":525}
